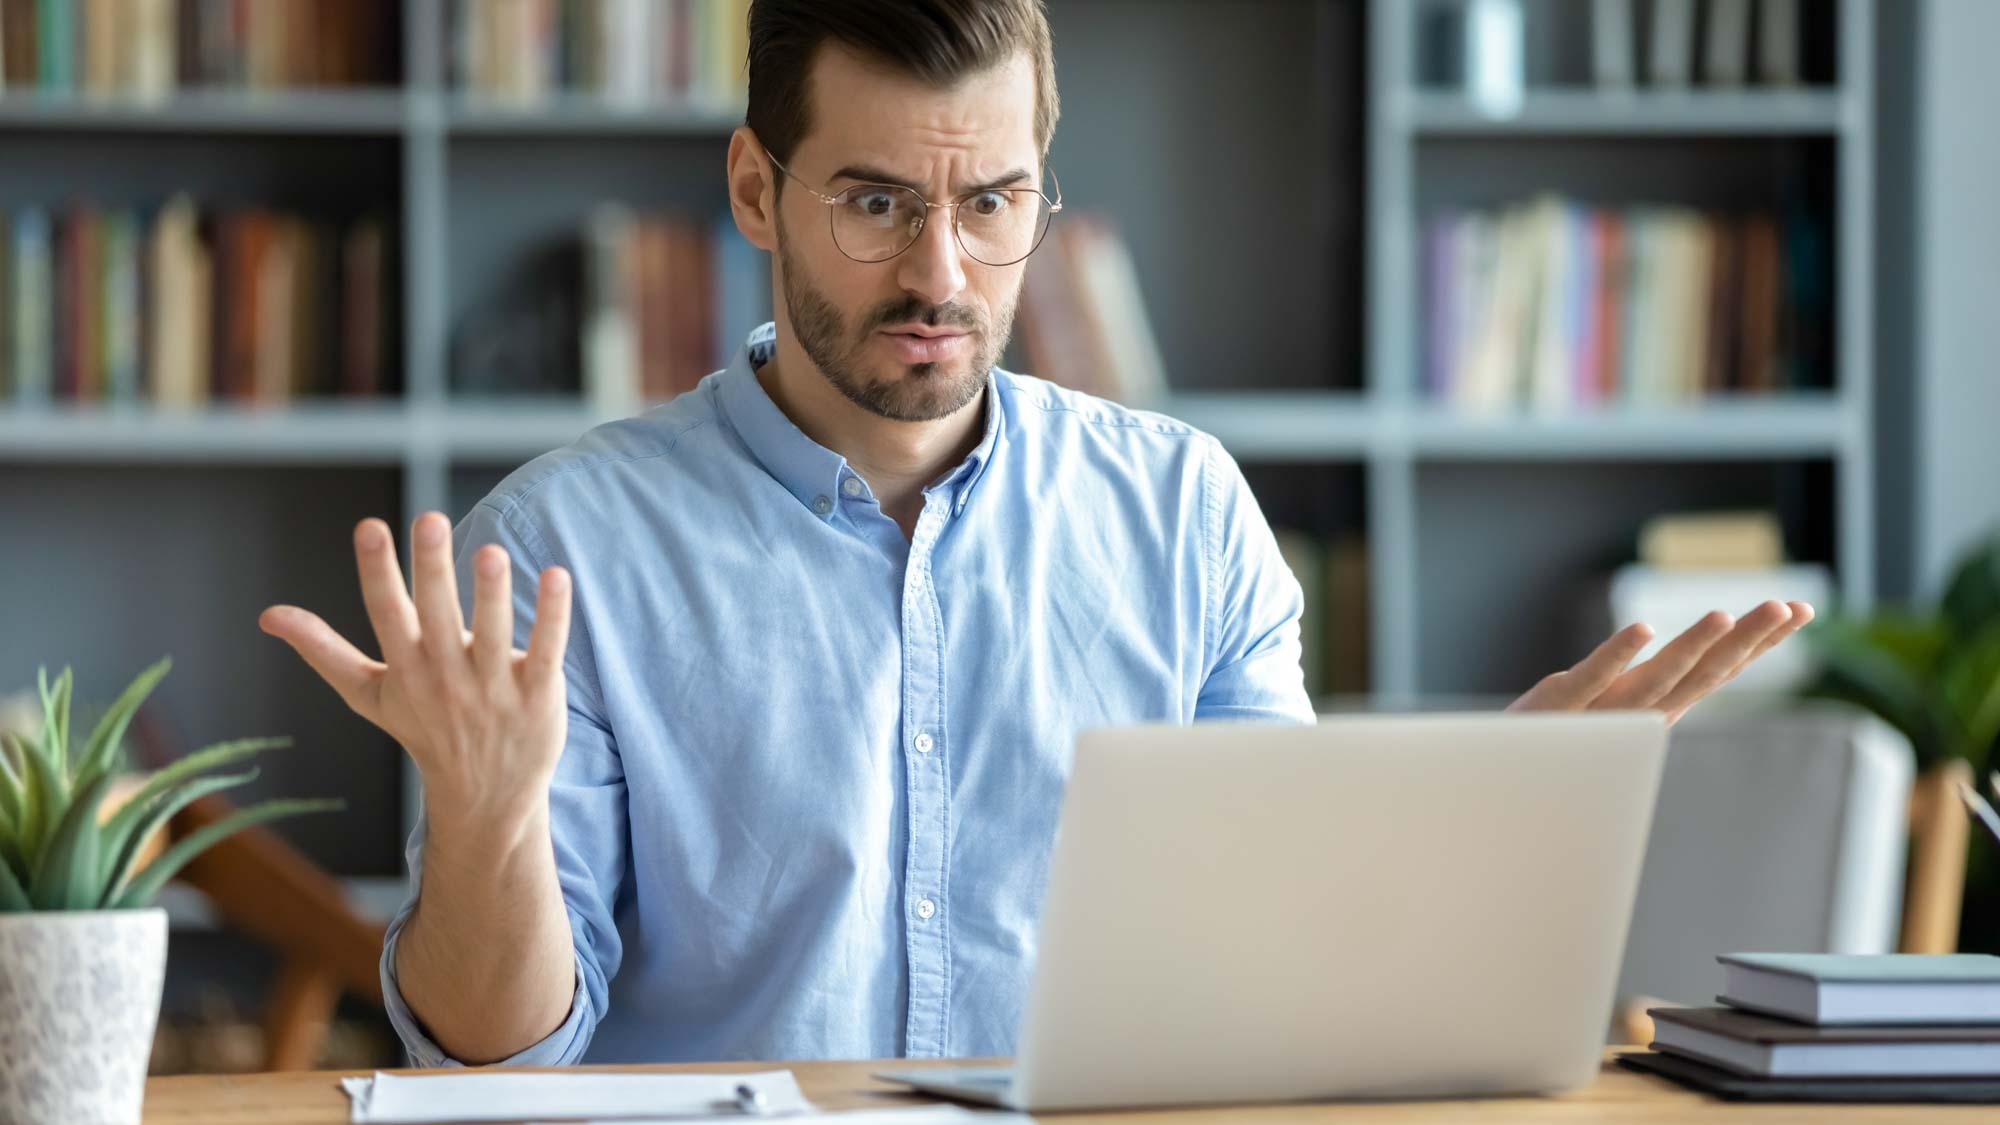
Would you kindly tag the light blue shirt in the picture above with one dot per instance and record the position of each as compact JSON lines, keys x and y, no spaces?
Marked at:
{"x":813,"y":768}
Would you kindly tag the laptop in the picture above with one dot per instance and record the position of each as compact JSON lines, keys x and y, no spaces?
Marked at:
{"x":1390,"y":906}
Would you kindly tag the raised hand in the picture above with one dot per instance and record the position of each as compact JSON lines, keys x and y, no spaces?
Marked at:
{"x":484,"y":721}
{"x":1706,"y":656}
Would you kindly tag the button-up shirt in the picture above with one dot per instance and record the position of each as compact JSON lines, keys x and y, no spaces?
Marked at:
{"x":813,"y":767}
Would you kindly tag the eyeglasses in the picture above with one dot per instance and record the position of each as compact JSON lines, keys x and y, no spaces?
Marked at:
{"x":876,"y":222}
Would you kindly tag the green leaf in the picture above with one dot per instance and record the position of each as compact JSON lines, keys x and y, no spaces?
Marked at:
{"x":1856,"y":669}
{"x":11,"y":790}
{"x":149,"y":881}
{"x":45,"y":798}
{"x":100,"y":754}
{"x":66,"y":876}
{"x":1970,"y":683}
{"x":1971,"y":599}
{"x":126,"y":819}
{"x":13,"y":898}
{"x":1915,"y":641}
{"x":120,"y":853}
{"x":55,"y":724}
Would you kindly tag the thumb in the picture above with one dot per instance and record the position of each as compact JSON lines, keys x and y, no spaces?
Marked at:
{"x":351,"y":673}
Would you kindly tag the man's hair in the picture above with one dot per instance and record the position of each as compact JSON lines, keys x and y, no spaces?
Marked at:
{"x":938,"y":41}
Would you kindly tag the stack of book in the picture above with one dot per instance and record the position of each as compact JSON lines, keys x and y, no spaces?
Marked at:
{"x":177,"y":307}
{"x":150,"y":48}
{"x":632,"y":52}
{"x":1884,"y":1027}
{"x":1553,"y":305}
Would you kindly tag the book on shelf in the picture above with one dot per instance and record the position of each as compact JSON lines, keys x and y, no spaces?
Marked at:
{"x":1670,"y":43}
{"x":1725,"y":44}
{"x":1554,"y":305}
{"x":1082,"y":317}
{"x":175,"y":308}
{"x":148,"y":49}
{"x":1333,"y":626}
{"x":629,"y":53}
{"x":667,"y":299}
{"x":1778,"y":42}
{"x":1681,"y":41}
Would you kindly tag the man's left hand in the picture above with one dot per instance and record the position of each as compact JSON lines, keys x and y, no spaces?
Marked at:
{"x":1680,"y":675}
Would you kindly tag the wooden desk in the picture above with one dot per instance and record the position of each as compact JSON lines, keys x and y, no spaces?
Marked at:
{"x":314,"y":1098}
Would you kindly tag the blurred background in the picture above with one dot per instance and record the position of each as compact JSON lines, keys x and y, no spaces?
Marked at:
{"x":1526,"y":318}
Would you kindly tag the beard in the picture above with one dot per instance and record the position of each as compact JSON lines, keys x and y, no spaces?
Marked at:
{"x":917,"y":392}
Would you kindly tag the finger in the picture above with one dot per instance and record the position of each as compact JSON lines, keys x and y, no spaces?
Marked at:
{"x":438,"y":612}
{"x":1591,"y":675}
{"x":1802,"y":615}
{"x":350,"y":672}
{"x":1725,"y":657}
{"x":492,"y":615}
{"x":550,"y":636}
{"x":1573,"y":688}
{"x":1643,"y":686}
{"x":389,"y":610}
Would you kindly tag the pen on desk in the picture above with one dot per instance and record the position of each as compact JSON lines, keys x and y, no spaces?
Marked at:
{"x":749,"y":1099}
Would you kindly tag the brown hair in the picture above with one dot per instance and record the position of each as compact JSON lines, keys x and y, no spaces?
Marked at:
{"x":939,"y":41}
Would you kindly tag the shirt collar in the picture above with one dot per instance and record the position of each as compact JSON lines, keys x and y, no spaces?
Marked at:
{"x":808,"y":470}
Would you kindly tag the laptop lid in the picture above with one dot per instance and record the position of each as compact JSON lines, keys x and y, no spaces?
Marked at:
{"x":1375,"y":906}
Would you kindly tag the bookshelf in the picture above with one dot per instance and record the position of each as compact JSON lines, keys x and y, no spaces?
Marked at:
{"x":1474,"y":525}
{"x":1550,"y":498}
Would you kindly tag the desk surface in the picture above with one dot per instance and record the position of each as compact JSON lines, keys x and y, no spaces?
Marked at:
{"x":315,"y":1098}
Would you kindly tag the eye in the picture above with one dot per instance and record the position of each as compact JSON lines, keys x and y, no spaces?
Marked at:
{"x":875,"y":204}
{"x":990,"y":203}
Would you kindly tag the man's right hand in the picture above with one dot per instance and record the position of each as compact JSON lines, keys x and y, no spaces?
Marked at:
{"x":484,"y":721}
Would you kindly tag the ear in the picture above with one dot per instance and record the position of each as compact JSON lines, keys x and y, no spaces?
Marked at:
{"x":751,"y":198}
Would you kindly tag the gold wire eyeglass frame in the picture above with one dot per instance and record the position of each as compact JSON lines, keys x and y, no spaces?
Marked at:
{"x":835,"y":200}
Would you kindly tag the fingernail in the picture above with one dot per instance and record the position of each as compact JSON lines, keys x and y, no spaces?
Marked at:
{"x":371,"y":537}
{"x":430,"y":530}
{"x":489,"y":564}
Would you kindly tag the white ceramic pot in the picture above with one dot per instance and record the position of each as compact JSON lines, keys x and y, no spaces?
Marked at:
{"x":79,"y":998}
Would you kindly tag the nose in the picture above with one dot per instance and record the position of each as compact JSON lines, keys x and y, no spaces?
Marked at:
{"x":932,"y":268}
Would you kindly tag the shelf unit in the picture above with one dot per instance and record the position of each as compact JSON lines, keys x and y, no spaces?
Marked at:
{"x":434,"y":449}
{"x":1409,"y":465}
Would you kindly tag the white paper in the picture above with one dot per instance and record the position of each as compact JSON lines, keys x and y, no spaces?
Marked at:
{"x":497,"y":1095}
{"x":902,"y":1115}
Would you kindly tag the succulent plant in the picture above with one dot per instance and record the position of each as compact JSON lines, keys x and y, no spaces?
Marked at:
{"x":57,"y":853}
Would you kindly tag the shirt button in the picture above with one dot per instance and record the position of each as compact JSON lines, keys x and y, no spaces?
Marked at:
{"x":923,"y":743}
{"x":851,"y":486}
{"x":823,"y":505}
{"x":925,"y":908}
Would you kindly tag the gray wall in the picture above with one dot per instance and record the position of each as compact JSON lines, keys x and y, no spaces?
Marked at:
{"x":1956,"y":283}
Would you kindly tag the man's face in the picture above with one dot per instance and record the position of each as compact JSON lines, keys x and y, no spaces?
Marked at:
{"x":854,"y":319}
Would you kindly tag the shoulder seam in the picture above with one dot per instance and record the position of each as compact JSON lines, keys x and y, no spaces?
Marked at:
{"x":514,"y":499}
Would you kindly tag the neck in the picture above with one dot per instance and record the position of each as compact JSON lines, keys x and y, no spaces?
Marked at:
{"x":897,"y":459}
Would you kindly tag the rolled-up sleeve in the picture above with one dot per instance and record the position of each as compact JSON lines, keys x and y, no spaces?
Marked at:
{"x":1253,"y":606}
{"x":588,"y":821}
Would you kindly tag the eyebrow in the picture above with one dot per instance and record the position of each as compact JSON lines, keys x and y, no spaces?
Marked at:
{"x":872,"y":175}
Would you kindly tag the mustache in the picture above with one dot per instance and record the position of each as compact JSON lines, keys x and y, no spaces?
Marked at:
{"x":931,"y":316}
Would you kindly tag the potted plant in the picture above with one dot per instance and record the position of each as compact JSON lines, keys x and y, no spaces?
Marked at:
{"x":1933,"y":672}
{"x":82,"y":950}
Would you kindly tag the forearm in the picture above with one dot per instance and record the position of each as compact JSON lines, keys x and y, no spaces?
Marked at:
{"x":486,"y":959}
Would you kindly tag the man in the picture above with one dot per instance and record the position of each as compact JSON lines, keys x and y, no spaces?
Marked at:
{"x":788,"y":785}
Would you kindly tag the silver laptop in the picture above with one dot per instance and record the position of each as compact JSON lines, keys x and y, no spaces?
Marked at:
{"x":1406,"y":906}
